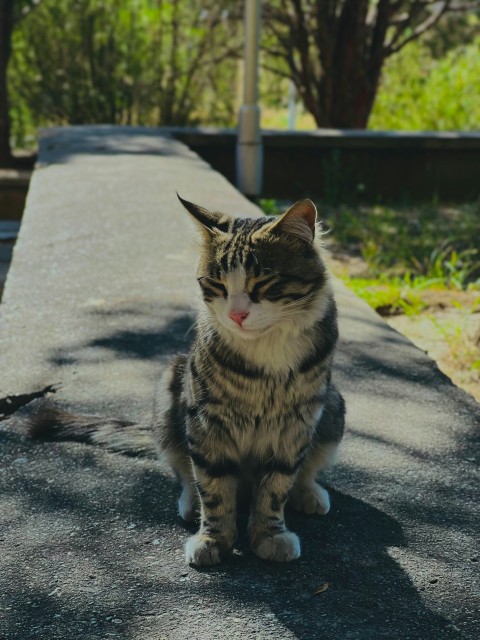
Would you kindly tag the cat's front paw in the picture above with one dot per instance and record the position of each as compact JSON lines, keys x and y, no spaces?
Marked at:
{"x":310,"y":499}
{"x":281,"y":547}
{"x":204,"y":551}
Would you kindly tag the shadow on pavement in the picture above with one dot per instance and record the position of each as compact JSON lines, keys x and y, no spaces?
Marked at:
{"x":93,"y":547}
{"x":60,"y":145}
{"x":104,"y":552}
{"x":173,"y":333}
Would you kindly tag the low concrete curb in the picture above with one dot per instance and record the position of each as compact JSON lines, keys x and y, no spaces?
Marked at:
{"x":99,"y":295}
{"x":13,"y":191}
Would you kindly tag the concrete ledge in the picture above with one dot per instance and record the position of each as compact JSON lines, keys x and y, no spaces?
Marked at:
{"x":13,"y":193}
{"x":100,"y":293}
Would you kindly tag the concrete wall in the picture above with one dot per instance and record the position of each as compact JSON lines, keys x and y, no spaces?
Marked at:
{"x":331,"y":165}
{"x":349,"y":165}
{"x":13,"y":193}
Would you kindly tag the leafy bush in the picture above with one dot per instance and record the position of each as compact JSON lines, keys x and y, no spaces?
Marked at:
{"x":115,"y":61}
{"x":421,"y":93}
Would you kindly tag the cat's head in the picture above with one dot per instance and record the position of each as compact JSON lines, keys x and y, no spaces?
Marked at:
{"x":258,"y":273}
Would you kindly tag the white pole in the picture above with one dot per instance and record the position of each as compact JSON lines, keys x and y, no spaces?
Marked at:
{"x":291,"y":105}
{"x":249,"y":142}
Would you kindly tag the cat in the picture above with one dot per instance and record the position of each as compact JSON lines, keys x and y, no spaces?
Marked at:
{"x":252,"y":408}
{"x":254,"y":401}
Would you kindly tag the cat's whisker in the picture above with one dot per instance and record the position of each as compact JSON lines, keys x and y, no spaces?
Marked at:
{"x":306,"y":297}
{"x":190,"y":329}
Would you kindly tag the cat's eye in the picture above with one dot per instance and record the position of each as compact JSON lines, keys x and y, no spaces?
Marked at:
{"x":212,"y":288}
{"x":260,"y":286}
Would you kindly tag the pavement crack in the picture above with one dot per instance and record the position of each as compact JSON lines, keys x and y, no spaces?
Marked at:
{"x":11,"y":404}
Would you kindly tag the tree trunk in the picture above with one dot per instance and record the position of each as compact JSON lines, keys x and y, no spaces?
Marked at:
{"x":353,"y":101}
{"x":6,"y":25}
{"x":350,"y":71}
{"x":350,"y":109}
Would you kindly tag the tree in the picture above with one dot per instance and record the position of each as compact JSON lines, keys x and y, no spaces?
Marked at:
{"x":6,"y":24}
{"x":334,"y":50}
{"x":421,"y":93}
{"x":146,"y":62}
{"x":11,"y":11}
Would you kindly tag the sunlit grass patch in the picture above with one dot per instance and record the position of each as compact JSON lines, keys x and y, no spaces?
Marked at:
{"x":428,"y":245}
{"x":387,"y":296}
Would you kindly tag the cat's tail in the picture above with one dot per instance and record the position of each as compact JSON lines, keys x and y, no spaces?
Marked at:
{"x":48,"y":421}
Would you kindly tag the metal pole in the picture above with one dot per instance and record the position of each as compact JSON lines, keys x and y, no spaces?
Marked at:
{"x":249,"y":141}
{"x":292,"y":108}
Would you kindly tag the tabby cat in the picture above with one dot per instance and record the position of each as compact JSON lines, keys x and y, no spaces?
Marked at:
{"x":252,"y":408}
{"x":253,"y":403}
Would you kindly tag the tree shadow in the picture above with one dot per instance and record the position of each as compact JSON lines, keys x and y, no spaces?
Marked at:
{"x":345,"y":585}
{"x":59,"y":145}
{"x":173,"y":333}
{"x":97,"y":538}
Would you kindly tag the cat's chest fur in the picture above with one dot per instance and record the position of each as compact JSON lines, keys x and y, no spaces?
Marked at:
{"x":259,"y":393}
{"x":271,"y":415}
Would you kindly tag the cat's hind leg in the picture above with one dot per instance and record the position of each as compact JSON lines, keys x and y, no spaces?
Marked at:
{"x":307,"y":495}
{"x":169,"y":429}
{"x":188,"y":503}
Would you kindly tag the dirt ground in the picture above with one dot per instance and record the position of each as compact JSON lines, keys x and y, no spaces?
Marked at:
{"x":447,"y":329}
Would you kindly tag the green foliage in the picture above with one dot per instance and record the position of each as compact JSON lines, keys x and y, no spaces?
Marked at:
{"x":269,"y":206}
{"x":419,"y":92}
{"x":453,"y":268}
{"x":389,"y":296}
{"x":424,"y":246}
{"x":453,"y":31}
{"x":123,"y":62}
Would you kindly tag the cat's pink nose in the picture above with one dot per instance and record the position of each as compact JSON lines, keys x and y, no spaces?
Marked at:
{"x":238,"y":316}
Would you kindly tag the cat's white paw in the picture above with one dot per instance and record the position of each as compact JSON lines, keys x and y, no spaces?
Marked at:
{"x":310,"y":499}
{"x":281,"y":547}
{"x":187,"y":505}
{"x":203,"y":551}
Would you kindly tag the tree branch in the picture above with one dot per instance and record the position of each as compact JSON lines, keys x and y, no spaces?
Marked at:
{"x":417,"y":7}
{"x":276,"y":71}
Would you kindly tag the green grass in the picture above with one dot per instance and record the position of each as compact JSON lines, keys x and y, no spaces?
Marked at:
{"x":388,"y":296}
{"x":429,"y":246}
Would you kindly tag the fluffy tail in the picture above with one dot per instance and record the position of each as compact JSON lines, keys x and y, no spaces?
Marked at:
{"x":47,"y":421}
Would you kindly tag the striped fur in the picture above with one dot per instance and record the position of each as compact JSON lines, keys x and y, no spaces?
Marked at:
{"x":253,"y":403}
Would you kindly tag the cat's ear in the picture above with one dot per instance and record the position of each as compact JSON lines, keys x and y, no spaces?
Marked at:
{"x":298,"y":221}
{"x":210,"y":221}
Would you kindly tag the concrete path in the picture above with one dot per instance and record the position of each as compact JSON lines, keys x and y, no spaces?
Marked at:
{"x":99,"y":295}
